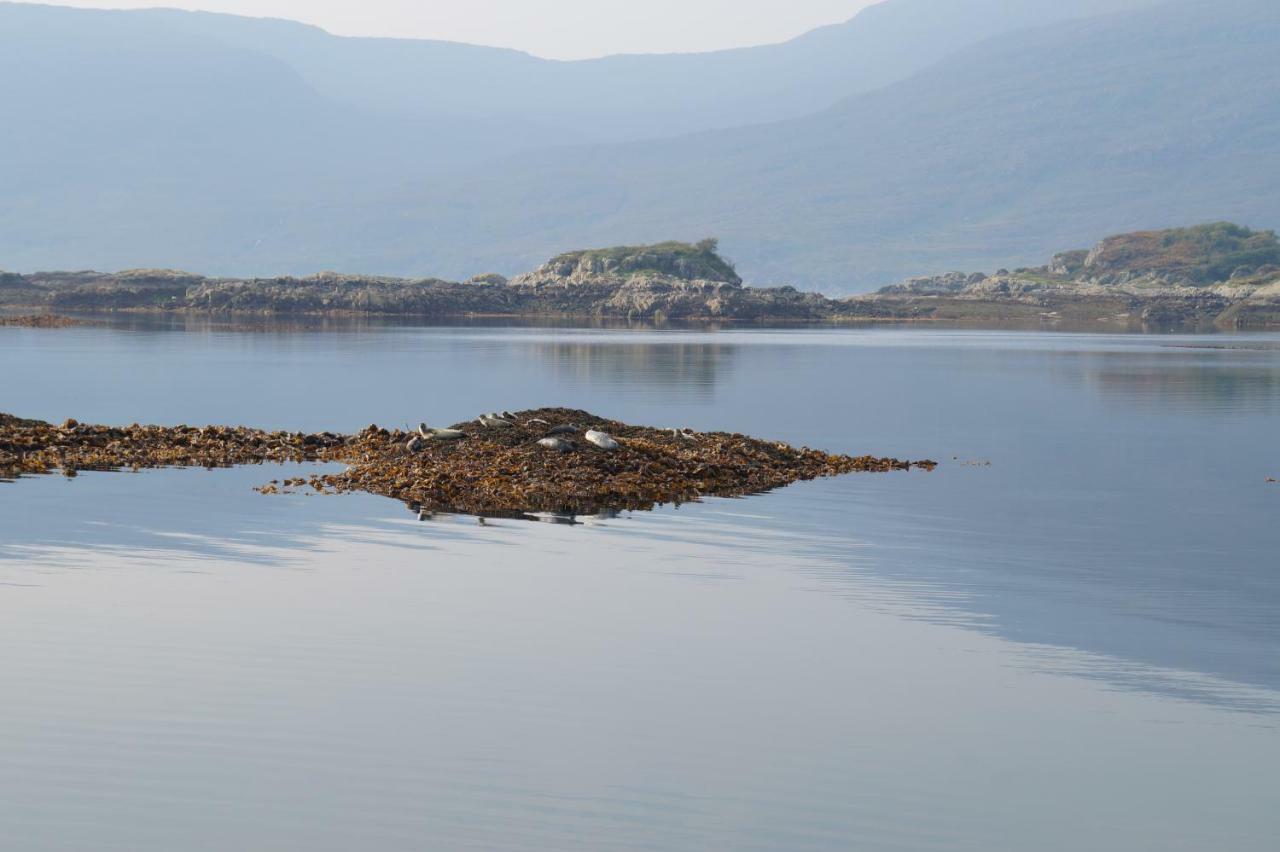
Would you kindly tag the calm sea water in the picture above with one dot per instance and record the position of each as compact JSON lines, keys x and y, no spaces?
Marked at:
{"x":1066,"y":637}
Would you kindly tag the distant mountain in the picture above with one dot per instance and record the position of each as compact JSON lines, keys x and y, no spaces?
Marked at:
{"x":526,"y":102}
{"x":241,"y":146}
{"x":995,"y":156}
{"x":119,"y":141}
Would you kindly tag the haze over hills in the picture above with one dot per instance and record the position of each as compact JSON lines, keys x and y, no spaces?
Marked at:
{"x":613,"y":98}
{"x":995,"y":156}
{"x":240,"y":146}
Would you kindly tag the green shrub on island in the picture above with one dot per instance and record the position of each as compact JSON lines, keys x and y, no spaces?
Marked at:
{"x":691,"y":261}
{"x":1201,"y":254}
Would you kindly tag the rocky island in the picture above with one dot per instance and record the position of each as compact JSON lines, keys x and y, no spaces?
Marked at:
{"x":509,"y":464}
{"x":667,"y":281}
{"x":1219,"y":274}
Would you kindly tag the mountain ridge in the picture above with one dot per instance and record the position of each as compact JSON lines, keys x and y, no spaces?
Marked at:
{"x":978,"y":162}
{"x":992,"y":156}
{"x":614,"y":97}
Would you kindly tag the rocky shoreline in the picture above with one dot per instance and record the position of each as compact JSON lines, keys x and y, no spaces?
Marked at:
{"x":542,"y":460}
{"x":41,"y":321}
{"x":651,"y":298}
{"x":652,"y":283}
{"x":1217,"y":275}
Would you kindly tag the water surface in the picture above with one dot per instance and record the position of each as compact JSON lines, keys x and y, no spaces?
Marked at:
{"x":1066,"y":637}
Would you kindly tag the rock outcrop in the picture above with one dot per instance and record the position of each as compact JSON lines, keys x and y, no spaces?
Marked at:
{"x":696,"y":262}
{"x":1221,"y":274}
{"x":660,"y":282}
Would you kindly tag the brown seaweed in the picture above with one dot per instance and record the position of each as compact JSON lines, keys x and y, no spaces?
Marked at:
{"x":491,"y":471}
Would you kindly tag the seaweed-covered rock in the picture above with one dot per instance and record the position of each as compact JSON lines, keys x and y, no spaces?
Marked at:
{"x":489,"y":471}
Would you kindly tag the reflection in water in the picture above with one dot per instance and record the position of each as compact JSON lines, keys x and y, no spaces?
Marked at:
{"x":1119,"y":514}
{"x":877,"y":657}
{"x":1110,"y":493}
{"x":566,"y":518}
{"x":196,"y":520}
{"x":691,"y":368}
{"x":193,"y":515}
{"x":1198,"y":386}
{"x":594,"y":688}
{"x":203,"y":323}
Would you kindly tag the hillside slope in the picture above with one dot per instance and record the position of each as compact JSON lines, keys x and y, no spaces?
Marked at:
{"x":231,"y":160}
{"x":996,"y":156}
{"x":613,"y":98}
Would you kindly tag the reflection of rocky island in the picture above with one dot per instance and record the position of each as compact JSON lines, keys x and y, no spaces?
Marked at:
{"x":1212,"y":274}
{"x":1239,"y":384}
{"x":685,"y":367}
{"x":41,"y":321}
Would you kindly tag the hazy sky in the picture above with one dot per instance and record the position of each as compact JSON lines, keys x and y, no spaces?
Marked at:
{"x":562,"y":29}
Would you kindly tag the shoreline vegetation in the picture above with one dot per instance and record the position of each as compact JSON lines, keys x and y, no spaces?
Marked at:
{"x":541,"y":460}
{"x":1217,"y":275}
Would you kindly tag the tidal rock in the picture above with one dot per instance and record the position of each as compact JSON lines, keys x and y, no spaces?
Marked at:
{"x":504,"y":471}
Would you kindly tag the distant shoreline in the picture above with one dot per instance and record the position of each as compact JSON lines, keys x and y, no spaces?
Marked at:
{"x":1065,"y":313}
{"x":1218,"y":275}
{"x":316,"y":320}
